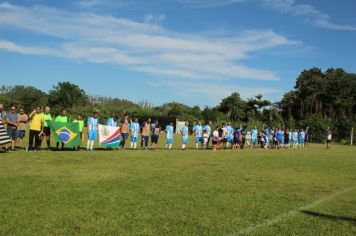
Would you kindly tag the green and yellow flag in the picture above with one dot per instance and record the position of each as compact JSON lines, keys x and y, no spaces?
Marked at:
{"x":68,"y":133}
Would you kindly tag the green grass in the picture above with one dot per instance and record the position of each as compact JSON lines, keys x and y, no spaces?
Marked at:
{"x":179,"y":192}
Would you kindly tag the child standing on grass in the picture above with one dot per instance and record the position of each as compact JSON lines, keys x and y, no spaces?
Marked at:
{"x":328,"y":139}
{"x":205,"y":138}
{"x":216,"y":139}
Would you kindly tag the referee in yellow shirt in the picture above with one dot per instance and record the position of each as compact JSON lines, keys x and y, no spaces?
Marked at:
{"x":36,"y":128}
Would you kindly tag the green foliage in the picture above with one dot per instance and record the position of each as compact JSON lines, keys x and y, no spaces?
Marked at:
{"x":233,"y":107}
{"x":66,"y":95}
{"x":26,"y":96}
{"x":317,"y":126}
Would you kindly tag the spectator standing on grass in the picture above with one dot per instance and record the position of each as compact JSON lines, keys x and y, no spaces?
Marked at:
{"x":92,"y":131}
{"x":125,"y":126}
{"x":22,"y":118}
{"x":62,"y":118}
{"x":36,"y":128}
{"x":79,"y":120}
{"x":155,"y":136}
{"x":329,"y":138}
{"x":146,"y":132}
{"x":2,"y":113}
{"x":47,"y":130}
{"x":12,"y":123}
{"x":307,"y":137}
{"x":2,"y":118}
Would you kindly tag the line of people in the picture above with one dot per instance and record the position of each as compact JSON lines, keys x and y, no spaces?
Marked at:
{"x":224,"y":136}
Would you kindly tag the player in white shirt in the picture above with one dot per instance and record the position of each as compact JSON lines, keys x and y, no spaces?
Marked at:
{"x":135,"y":129}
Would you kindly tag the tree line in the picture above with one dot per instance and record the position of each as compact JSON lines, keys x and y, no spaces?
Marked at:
{"x":319,"y":100}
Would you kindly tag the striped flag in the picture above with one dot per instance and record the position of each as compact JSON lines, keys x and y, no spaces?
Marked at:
{"x":4,"y":137}
{"x":109,"y":136}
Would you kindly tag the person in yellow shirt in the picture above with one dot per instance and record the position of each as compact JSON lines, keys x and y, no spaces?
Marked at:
{"x":36,"y":128}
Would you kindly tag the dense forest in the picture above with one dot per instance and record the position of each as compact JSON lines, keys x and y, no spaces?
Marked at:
{"x":319,"y":100}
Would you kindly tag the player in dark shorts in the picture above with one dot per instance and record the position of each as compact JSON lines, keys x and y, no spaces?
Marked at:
{"x":237,"y":138}
{"x":286,"y":138}
{"x":155,"y":136}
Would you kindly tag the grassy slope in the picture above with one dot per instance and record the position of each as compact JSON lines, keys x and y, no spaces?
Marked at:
{"x":177,"y":193}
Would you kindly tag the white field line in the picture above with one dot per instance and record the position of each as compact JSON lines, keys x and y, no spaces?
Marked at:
{"x":288,"y":214}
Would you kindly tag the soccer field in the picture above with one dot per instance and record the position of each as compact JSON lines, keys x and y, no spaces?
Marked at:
{"x":251,"y":192}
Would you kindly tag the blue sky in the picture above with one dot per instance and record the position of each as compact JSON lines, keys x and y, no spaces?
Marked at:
{"x":191,"y":51}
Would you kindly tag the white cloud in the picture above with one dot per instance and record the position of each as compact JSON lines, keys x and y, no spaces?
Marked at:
{"x":313,"y":15}
{"x":215,"y":92}
{"x":140,"y":46}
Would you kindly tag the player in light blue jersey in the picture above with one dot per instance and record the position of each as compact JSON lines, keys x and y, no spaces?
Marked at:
{"x":170,"y":133}
{"x":229,"y":135}
{"x":135,"y":129}
{"x":113,"y":121}
{"x":184,"y":131}
{"x":295,"y":138}
{"x":207,"y":129}
{"x":198,"y":132}
{"x":92,"y":130}
{"x":301,"y":138}
{"x":280,"y":135}
{"x":253,"y":136}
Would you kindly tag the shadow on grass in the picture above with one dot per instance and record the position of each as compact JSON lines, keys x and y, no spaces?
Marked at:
{"x":330,"y":217}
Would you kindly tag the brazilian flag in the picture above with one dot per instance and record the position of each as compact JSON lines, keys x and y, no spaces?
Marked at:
{"x":68,"y":133}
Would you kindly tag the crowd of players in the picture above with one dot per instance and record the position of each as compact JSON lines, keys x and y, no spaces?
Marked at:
{"x":223,"y":136}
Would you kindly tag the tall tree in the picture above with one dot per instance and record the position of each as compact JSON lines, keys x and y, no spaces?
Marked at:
{"x":67,"y":95}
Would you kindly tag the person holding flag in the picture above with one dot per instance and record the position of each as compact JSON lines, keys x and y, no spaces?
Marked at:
{"x":125,"y":126}
{"x":62,"y":118}
{"x":92,"y":131}
{"x":113,"y":121}
{"x":47,"y":130}
{"x":184,"y":131}
{"x":170,"y":133}
{"x":79,"y":120}
{"x":135,"y":129}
